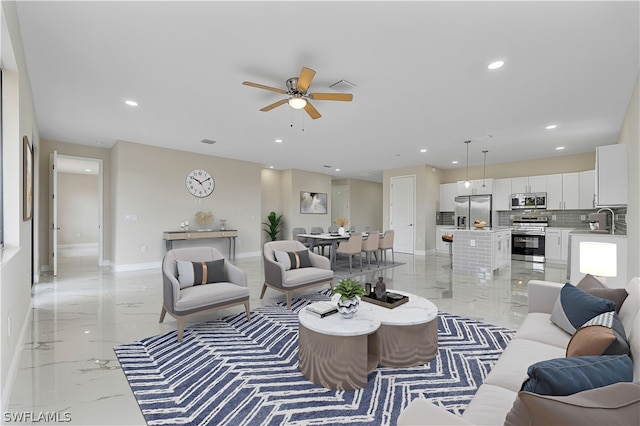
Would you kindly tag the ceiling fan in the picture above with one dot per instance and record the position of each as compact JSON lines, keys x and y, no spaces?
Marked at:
{"x":298,"y":98}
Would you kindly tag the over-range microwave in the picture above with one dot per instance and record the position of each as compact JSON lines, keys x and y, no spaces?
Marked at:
{"x":535,"y":200}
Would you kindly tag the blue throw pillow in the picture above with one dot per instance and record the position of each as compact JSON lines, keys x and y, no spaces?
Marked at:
{"x":566,"y":376}
{"x":575,"y":307}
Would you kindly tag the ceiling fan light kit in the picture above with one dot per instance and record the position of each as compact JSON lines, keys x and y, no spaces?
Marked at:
{"x":297,"y":91}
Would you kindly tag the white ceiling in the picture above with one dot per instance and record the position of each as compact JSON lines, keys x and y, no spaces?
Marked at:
{"x":420,"y":69}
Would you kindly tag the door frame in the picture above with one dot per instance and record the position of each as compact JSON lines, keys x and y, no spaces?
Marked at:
{"x":392,"y":194}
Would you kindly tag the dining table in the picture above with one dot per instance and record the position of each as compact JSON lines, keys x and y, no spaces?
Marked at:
{"x":333,"y":238}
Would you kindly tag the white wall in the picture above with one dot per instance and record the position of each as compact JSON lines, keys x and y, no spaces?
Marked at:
{"x":77,"y":208}
{"x":294,"y":182}
{"x":630,"y":135}
{"x":271,"y":198}
{"x":365,"y":203}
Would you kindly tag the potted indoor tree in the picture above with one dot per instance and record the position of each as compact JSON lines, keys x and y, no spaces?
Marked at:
{"x":349,"y":292}
{"x":273,"y":225}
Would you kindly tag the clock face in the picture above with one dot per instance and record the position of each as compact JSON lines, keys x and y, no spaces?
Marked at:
{"x":200,"y":183}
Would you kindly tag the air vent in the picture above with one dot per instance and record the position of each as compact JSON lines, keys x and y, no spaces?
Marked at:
{"x":208,"y":141}
{"x":342,"y":86}
{"x":327,"y":167}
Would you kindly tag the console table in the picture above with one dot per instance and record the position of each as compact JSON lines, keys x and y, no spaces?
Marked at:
{"x":231,"y":234}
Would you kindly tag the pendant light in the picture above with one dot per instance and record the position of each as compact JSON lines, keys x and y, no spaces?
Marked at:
{"x":467,"y":184}
{"x":484,"y":168}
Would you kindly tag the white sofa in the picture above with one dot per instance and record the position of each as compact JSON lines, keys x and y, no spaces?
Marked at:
{"x":537,"y":340}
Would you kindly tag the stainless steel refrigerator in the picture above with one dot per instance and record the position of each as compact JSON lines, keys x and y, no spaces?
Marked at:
{"x":470,"y":208}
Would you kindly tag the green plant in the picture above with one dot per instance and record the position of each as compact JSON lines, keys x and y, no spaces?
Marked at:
{"x":348,"y":288}
{"x":273,"y":225}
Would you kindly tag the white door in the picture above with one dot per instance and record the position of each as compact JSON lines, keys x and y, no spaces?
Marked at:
{"x":402,"y":209}
{"x":339,"y":202}
{"x":53,"y":211}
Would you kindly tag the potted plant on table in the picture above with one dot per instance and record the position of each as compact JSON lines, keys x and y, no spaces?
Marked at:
{"x":349,"y":292}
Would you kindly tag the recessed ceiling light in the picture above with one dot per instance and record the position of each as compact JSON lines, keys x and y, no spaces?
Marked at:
{"x":495,"y":65}
{"x":87,"y":170}
{"x":454,"y":162}
{"x":551,"y":126}
{"x":279,"y":140}
{"x":271,"y":167}
{"x":423,"y":150}
{"x":559,"y":148}
{"x":99,"y":142}
{"x":337,"y":170}
{"x":131,"y":103}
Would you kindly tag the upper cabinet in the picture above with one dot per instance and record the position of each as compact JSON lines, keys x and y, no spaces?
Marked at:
{"x":554,"y":192}
{"x":587,"y":189}
{"x":448,"y":193}
{"x":476,"y":187}
{"x":502,"y":194}
{"x":611,"y":175}
{"x":570,"y":191}
{"x":529,"y":184}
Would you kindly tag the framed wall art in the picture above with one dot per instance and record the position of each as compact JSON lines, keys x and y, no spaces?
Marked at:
{"x":313,"y":202}
{"x":27,"y":188}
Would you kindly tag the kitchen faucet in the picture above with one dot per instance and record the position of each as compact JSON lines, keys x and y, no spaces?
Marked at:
{"x":613,"y":219}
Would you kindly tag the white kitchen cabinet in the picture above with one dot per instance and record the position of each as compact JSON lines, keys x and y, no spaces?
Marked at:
{"x":554,"y":192}
{"x":528,"y":184}
{"x":570,"y":191}
{"x":448,"y":193}
{"x":476,"y":187}
{"x":587,"y":189}
{"x":611,"y":175}
{"x":501,"y":255}
{"x":502,"y":194}
{"x":556,"y":244}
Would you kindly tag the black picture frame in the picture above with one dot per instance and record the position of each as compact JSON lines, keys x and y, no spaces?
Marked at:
{"x":313,"y":202}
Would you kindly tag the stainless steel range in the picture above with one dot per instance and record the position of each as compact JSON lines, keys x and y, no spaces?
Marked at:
{"x":527,"y":237}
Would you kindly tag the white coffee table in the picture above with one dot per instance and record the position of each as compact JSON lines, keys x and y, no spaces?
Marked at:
{"x":338,"y":353}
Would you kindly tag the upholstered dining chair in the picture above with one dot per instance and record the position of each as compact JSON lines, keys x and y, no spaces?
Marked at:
{"x":320,"y":245}
{"x":289,"y":266}
{"x":370,"y":246}
{"x":304,"y":240}
{"x":199,"y":279}
{"x":386,"y":243}
{"x":351,"y":247}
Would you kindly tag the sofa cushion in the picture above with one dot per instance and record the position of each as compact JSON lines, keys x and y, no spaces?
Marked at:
{"x":293,"y":259}
{"x":511,"y":368}
{"x":616,"y":404}
{"x":489,"y":406}
{"x":197,"y":273}
{"x":195,"y":297}
{"x":602,"y":335}
{"x":297,"y":277}
{"x":566,"y":376}
{"x":574,"y":307}
{"x":537,"y":327}
{"x":595,"y":287}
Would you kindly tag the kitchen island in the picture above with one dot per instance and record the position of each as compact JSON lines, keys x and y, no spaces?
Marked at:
{"x":481,"y":251}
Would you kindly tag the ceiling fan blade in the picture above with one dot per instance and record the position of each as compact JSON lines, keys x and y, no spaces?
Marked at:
{"x":306,"y":75}
{"x":348,"y":97}
{"x":313,"y":113}
{"x":262,"y":86}
{"x":274,"y":105}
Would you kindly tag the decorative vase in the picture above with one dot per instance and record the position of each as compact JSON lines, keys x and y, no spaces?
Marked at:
{"x":381,"y":289}
{"x":349,"y":307}
{"x":223,"y":224}
{"x":341,"y":230}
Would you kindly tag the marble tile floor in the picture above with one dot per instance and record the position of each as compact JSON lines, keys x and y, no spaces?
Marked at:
{"x":68,"y":365}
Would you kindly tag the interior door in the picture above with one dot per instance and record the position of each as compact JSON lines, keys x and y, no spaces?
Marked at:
{"x":402,"y":221}
{"x":53,"y":211}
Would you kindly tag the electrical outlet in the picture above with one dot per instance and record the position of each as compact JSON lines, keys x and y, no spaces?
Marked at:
{"x":472,"y":243}
{"x":143,"y":249}
{"x":583,"y":217}
{"x":130,"y":217}
{"x":553,"y":217}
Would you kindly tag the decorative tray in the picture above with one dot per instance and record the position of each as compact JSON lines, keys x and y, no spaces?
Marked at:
{"x":390,"y":301}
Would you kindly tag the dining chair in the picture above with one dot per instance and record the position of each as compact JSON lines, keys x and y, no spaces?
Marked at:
{"x":386,"y":243}
{"x":320,"y":245}
{"x":304,"y":240}
{"x":370,"y":246}
{"x":351,"y":247}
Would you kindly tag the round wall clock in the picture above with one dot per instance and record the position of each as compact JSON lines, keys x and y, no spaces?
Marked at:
{"x":200,"y":183}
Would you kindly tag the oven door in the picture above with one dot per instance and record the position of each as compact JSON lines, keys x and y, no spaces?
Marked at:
{"x":527,"y":246}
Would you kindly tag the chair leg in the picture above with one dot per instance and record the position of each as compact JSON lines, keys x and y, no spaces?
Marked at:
{"x":289,"y":297}
{"x":248,"y":310}
{"x":264,"y":288}
{"x":350,"y":260}
{"x":163,"y":313}
{"x":181,"y":323}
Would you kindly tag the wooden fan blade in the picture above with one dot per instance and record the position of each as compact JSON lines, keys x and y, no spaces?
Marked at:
{"x":313,"y":113}
{"x":306,"y":75}
{"x":262,"y":86}
{"x":274,"y":105}
{"x":348,"y":97}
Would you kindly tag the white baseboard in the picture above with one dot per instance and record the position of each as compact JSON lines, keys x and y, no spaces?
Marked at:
{"x":136,"y":266}
{"x":12,"y":373}
{"x":78,"y":245}
{"x":249,"y":254}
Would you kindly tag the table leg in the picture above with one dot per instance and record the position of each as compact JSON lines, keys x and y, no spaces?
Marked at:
{"x":332,"y":255}
{"x":168,"y":244}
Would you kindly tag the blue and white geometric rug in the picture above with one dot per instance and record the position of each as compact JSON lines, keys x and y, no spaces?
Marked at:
{"x":233,"y":372}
